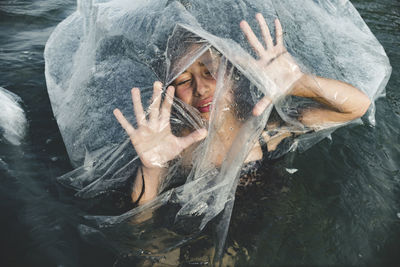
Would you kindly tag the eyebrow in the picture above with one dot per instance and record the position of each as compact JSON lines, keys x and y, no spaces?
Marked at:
{"x":206,"y":62}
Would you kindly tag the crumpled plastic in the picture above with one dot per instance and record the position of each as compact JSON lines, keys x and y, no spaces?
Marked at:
{"x":12,"y":118}
{"x":105,"y":48}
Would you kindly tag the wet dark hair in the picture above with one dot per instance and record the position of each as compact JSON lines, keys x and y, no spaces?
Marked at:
{"x":243,"y":100}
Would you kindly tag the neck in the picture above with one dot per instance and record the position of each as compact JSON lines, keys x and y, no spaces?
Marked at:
{"x":223,"y":136}
{"x":223,"y":140}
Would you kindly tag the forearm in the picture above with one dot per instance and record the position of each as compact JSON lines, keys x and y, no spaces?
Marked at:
{"x":343,"y":101}
{"x":339,"y":96}
{"x":151,"y":178}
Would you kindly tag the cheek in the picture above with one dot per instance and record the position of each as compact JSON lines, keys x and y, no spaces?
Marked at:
{"x":185,"y":95}
{"x":213,"y":85}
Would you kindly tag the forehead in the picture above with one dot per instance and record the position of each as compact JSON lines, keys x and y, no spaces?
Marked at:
{"x":197,"y":64}
{"x":206,"y":60}
{"x":203,"y":61}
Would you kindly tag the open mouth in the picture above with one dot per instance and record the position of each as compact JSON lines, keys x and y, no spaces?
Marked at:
{"x":205,"y":108}
{"x":205,"y":105}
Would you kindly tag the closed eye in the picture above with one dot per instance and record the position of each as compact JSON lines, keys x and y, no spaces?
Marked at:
{"x":183,"y":82}
{"x":208,"y":74}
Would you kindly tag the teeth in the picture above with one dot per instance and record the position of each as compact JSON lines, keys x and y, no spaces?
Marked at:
{"x":205,"y":105}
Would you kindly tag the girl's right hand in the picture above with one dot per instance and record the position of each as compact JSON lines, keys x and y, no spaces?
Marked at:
{"x":153,"y":140}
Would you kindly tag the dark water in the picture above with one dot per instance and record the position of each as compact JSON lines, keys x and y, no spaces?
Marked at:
{"x":341,"y":208}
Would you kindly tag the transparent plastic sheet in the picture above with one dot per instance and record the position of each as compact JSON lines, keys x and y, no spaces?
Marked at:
{"x":12,"y":118}
{"x":114,"y":45}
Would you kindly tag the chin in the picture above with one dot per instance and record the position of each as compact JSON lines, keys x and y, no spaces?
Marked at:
{"x":205,"y":116}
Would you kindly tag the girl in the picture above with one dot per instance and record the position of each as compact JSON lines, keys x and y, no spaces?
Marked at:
{"x":156,"y":145}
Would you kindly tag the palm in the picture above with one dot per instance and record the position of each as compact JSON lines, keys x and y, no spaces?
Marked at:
{"x":156,"y":146}
{"x":153,"y":140}
{"x":279,"y":68}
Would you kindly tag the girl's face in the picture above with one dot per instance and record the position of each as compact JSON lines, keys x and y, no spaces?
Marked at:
{"x":196,"y":87}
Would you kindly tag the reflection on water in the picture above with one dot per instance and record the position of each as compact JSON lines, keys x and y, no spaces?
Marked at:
{"x":340,"y":207}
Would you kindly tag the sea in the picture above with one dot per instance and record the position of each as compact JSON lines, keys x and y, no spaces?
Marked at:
{"x":343,"y":193}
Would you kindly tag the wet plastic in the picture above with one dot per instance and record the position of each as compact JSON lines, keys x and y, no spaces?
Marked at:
{"x":12,"y":118}
{"x":97,"y":54}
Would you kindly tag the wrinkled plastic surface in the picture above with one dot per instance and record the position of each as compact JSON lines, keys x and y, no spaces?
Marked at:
{"x":12,"y":118}
{"x":105,"y":48}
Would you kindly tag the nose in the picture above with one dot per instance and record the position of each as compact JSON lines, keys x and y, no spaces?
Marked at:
{"x":202,"y":87}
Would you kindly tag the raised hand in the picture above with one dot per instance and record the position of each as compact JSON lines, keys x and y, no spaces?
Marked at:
{"x":153,"y":140}
{"x":279,"y":68}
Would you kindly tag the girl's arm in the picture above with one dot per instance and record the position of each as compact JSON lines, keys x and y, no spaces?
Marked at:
{"x":153,"y":141}
{"x":343,"y":101}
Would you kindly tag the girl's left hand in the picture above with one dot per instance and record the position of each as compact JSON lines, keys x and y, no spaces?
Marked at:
{"x":279,"y":70}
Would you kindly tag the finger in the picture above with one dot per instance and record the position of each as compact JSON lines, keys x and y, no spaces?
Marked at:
{"x":166,"y":107}
{"x":155,"y":105}
{"x":279,"y":33}
{"x":261,"y":106}
{"x":252,"y":38}
{"x":265,"y":31}
{"x":192,"y":138}
{"x":124,"y":122}
{"x":137,"y":106}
